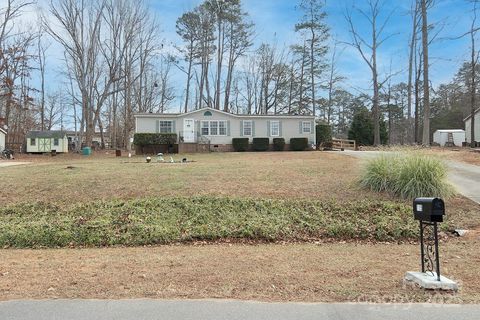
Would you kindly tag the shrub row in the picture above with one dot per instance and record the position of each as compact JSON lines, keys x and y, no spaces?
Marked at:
{"x":407,"y":176}
{"x":263,"y":144}
{"x":171,"y":220}
{"x":148,"y":139}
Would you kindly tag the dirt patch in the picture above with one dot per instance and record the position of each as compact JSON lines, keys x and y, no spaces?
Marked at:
{"x":291,"y":272}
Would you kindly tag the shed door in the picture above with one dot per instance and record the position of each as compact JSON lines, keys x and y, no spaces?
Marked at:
{"x":44,"y":145}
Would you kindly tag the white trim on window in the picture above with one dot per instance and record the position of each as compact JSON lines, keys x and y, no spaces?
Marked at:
{"x":247,"y":128}
{"x":214,"y":128}
{"x":306,"y":127}
{"x":165,"y":126}
{"x":274,"y":128}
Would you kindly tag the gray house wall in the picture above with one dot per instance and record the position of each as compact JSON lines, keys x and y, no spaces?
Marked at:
{"x":289,"y":126}
{"x":468,"y":127}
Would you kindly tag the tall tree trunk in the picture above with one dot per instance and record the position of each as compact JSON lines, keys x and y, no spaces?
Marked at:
{"x":426,"y":83}
{"x":410,"y":74}
{"x":189,"y":76}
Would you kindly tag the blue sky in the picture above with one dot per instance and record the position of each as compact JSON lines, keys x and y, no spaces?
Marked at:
{"x":275,"y":19}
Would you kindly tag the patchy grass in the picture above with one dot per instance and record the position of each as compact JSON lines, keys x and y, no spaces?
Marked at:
{"x":173,"y":220}
{"x":326,"y":272}
{"x":276,"y":175}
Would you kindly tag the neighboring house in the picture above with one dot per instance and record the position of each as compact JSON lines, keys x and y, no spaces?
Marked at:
{"x":449,"y":137}
{"x":3,"y":134}
{"x":73,"y":138}
{"x":46,"y":141}
{"x":468,"y":126}
{"x":218,"y":128}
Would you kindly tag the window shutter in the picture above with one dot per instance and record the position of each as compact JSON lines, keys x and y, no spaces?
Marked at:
{"x":174,"y":129}
{"x":241,"y":128}
{"x":157,"y":128}
{"x":300,"y":128}
{"x":197,"y":128}
{"x":268,"y":128}
{"x":312,"y":128}
{"x":228,"y":128}
{"x":253,"y":128}
{"x":280,"y":129}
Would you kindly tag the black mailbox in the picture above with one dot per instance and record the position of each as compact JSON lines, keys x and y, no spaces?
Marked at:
{"x":429,"y":209}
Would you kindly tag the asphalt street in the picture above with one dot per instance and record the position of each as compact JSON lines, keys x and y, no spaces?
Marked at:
{"x":231,"y":310}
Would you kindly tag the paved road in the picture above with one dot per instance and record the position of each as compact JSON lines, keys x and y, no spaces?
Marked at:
{"x":229,"y":310}
{"x":463,"y":176}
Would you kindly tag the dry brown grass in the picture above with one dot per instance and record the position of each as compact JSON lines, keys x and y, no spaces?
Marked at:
{"x":266,"y":175}
{"x":293,"y":272}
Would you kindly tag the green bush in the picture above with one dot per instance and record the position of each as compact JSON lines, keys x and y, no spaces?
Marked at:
{"x":240,"y":144}
{"x":148,"y":139}
{"x":298,"y":144}
{"x":324,"y":135}
{"x":407,"y":176}
{"x":153,"y":221}
{"x":278,"y":144}
{"x":260,"y":144}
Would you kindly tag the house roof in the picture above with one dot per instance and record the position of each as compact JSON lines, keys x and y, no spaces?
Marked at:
{"x":469,"y":116}
{"x":170,"y":115}
{"x":451,"y":130}
{"x":46,"y":134}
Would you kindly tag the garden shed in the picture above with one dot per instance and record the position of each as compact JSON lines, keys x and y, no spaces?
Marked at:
{"x":47,"y":141}
{"x":3,"y":133}
{"x":449,"y":137}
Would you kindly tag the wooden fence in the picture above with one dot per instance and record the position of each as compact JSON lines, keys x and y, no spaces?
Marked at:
{"x":344,"y":144}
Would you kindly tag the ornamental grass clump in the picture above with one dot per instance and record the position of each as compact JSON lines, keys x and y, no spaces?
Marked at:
{"x":407,"y":176}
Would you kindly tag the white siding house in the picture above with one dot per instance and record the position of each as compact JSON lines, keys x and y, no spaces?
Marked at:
{"x":442,"y":137}
{"x":47,"y":141}
{"x":468,"y":126}
{"x":219,"y":127}
{"x":3,"y":133}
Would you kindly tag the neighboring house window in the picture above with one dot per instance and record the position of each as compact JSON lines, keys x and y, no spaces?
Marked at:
{"x":205,"y":128}
{"x":55,"y":141}
{"x":207,"y":114}
{"x":274,"y":128}
{"x":306,"y":127}
{"x":166,"y":126}
{"x":214,"y":128}
{"x":247,"y":127}
{"x":32,"y":141}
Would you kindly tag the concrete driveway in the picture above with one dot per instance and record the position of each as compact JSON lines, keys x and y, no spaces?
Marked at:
{"x":464,"y":177}
{"x":231,"y":310}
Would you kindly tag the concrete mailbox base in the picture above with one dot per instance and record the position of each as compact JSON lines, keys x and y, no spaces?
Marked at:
{"x":429,"y":281}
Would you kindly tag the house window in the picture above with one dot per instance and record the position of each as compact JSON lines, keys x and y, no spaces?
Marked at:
{"x":32,"y":141}
{"x":166,"y":126}
{"x":306,"y":127}
{"x":207,"y":114}
{"x":205,"y":128}
{"x":247,"y":128}
{"x":55,"y":141}
{"x":274,"y":128}
{"x":214,"y":128}
{"x":222,"y":128}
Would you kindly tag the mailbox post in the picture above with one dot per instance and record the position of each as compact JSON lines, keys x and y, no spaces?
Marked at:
{"x":429,"y":212}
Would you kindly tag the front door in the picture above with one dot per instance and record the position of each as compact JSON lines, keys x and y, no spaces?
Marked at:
{"x":188,"y":130}
{"x":44,"y":145}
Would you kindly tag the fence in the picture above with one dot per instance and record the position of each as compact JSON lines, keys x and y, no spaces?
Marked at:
{"x":344,"y":144}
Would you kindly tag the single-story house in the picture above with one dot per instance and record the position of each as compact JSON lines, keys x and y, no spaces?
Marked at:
{"x":47,"y":141}
{"x":3,"y":134}
{"x":468,"y":126}
{"x":218,"y":128}
{"x":449,"y":137}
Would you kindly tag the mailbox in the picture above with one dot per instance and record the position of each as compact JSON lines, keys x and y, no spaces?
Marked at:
{"x":429,"y":209}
